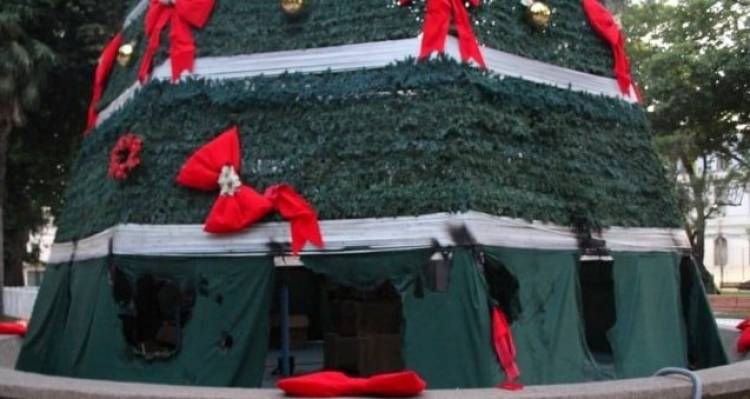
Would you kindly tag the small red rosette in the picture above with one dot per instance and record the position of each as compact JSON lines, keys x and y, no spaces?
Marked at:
{"x":125,"y":156}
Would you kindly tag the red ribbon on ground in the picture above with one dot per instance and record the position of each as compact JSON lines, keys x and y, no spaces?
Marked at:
{"x":743,"y":341}
{"x":216,"y":166}
{"x":334,"y":383}
{"x":437,"y":20}
{"x":183,"y":16}
{"x":605,"y":25}
{"x":505,"y":349}
{"x":19,"y":327}
{"x":103,"y":69}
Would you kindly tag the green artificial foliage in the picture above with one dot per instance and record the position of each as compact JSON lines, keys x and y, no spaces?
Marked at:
{"x":245,"y":27}
{"x":122,"y":77}
{"x":410,"y":139}
{"x":567,"y":41}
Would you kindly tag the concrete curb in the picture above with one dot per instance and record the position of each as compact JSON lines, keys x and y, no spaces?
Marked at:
{"x":10,"y":346}
{"x":726,"y":381}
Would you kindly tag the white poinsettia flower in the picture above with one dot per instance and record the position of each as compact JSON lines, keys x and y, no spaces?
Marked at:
{"x":229,"y":180}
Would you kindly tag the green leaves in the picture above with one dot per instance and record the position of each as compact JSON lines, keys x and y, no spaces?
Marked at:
{"x":46,"y":59}
{"x":24,"y":60}
{"x":693,"y":63}
{"x":691,"y":59}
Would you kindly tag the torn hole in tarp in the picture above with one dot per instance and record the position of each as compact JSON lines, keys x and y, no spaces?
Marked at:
{"x":225,"y":341}
{"x":503,"y":288}
{"x":598,"y":308}
{"x":502,"y":285}
{"x":153,"y":310}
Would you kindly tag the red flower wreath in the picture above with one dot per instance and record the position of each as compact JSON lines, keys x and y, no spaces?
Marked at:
{"x":124,"y":156}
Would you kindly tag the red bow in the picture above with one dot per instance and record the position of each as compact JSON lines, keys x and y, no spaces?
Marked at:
{"x":19,"y":327}
{"x":603,"y":23}
{"x":437,"y":21}
{"x":505,"y":350}
{"x":183,"y":15}
{"x":215,"y":166}
{"x":333,"y":383}
{"x":103,"y":69}
{"x":743,"y":341}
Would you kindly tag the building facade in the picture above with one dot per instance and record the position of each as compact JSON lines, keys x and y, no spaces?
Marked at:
{"x":727,"y":244}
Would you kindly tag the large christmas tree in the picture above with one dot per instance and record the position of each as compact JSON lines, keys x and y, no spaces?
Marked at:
{"x":501,"y":140}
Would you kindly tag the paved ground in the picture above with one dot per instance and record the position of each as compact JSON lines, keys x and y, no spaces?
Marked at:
{"x":718,"y":382}
{"x":307,"y":359}
{"x":9,"y":347}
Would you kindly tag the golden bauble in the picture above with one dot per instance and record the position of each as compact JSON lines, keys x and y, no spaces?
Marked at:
{"x":293,"y":8}
{"x":125,"y":53}
{"x":539,"y":14}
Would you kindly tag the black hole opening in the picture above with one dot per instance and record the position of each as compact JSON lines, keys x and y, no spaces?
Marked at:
{"x":226,"y":341}
{"x":503,"y":287}
{"x":598,"y":303}
{"x":153,"y":314}
{"x":121,"y":289}
{"x":203,"y":286}
{"x":365,"y":338}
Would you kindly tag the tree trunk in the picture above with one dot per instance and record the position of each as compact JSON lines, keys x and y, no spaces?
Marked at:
{"x":5,"y":129}
{"x":699,"y":246}
{"x":697,"y":230}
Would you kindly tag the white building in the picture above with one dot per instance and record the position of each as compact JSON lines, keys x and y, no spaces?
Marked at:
{"x":727,"y":240}
{"x":33,"y":273}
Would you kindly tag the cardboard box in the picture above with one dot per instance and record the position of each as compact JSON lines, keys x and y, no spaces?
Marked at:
{"x":354,"y":318}
{"x":298,"y":326}
{"x":363,"y":355}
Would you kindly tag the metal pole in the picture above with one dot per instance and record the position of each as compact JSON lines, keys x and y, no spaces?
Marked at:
{"x":284,"y":310}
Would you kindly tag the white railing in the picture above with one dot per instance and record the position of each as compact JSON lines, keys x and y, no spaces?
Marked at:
{"x":19,"y":301}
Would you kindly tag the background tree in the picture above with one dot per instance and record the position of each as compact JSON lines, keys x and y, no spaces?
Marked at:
{"x":48,"y":49}
{"x":692,"y":59}
{"x":24,"y":61}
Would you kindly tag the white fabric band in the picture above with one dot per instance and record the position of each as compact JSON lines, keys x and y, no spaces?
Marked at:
{"x":375,"y":55}
{"x":136,"y":12}
{"x":374,"y":234}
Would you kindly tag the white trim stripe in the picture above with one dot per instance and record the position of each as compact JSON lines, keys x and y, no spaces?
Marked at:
{"x":374,"y":234}
{"x":135,"y":13}
{"x":374,"y":55}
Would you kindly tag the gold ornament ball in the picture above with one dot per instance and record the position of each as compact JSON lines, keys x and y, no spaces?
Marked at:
{"x":293,"y":8}
{"x":124,"y":53}
{"x":539,"y":14}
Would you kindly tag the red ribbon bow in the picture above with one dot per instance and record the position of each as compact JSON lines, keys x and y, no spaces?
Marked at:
{"x":604,"y":24}
{"x":505,"y":349}
{"x":437,"y":21}
{"x":183,"y":16}
{"x":743,"y":341}
{"x":333,"y":383}
{"x":19,"y":327}
{"x":215,"y":166}
{"x":103,"y":69}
